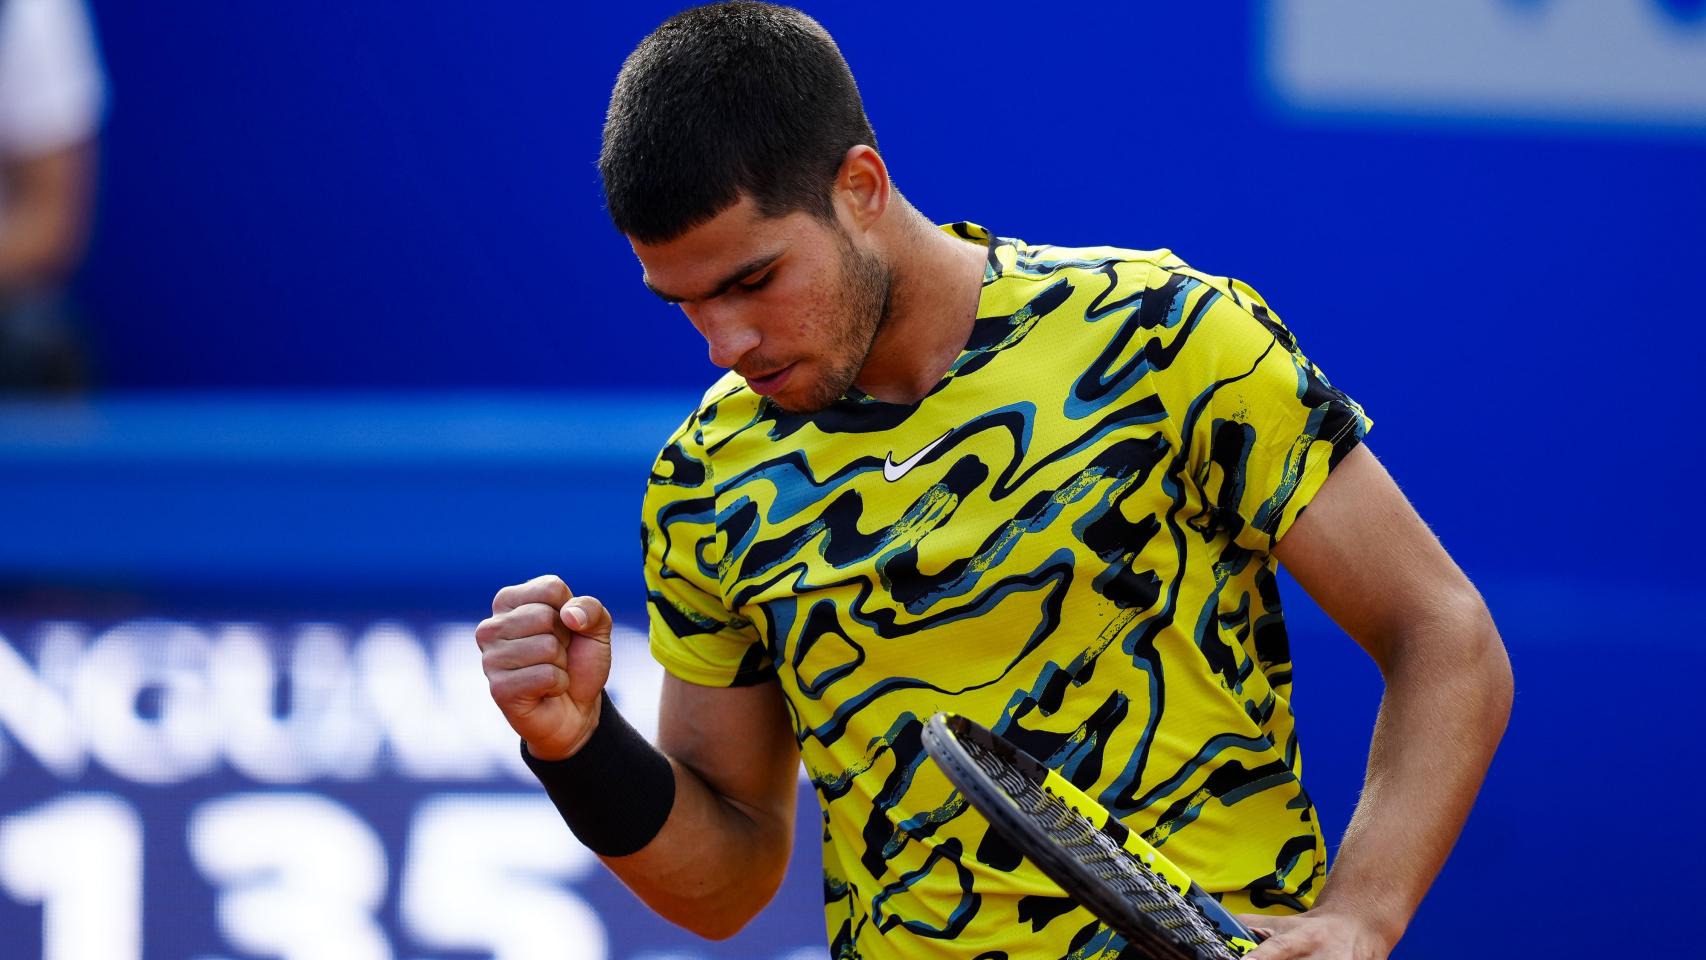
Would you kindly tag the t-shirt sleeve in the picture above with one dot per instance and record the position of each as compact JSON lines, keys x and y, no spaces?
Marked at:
{"x":693,"y":633}
{"x":1261,"y":424}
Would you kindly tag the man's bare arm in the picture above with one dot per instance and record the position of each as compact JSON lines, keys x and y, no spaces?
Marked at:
{"x":1363,"y":554}
{"x":47,"y":215}
{"x":724,"y":849}
{"x":721,"y":846}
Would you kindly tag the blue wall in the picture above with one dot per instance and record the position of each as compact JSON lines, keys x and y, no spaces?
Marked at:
{"x":385,"y":196}
{"x":357,"y":307}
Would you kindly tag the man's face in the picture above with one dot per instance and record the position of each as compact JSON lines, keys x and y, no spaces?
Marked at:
{"x":789,"y":303}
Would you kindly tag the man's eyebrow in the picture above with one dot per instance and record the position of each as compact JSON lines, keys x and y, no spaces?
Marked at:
{"x":734,"y":276}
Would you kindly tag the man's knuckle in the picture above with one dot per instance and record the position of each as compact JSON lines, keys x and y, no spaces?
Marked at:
{"x":524,"y":652}
{"x":507,"y":599}
{"x":535,"y":618}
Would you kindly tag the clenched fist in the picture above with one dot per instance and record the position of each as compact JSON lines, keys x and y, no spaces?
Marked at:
{"x":546,"y":654}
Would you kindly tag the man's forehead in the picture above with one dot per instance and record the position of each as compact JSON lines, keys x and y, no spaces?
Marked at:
{"x":739,"y":222}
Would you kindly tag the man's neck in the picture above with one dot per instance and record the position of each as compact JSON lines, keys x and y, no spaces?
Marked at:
{"x":932,"y":306}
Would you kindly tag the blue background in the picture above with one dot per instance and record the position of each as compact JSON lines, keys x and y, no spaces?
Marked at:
{"x":371,"y":349}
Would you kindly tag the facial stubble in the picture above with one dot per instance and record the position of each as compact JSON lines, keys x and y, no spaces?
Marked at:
{"x":865,"y":288}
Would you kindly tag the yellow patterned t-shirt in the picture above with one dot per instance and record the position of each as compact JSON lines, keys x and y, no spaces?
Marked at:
{"x":1069,"y":541}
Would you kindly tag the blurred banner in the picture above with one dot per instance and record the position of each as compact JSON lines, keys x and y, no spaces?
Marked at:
{"x":1628,"y":65}
{"x":307,"y":790}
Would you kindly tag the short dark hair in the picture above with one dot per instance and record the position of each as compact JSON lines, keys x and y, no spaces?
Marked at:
{"x":727,"y":99}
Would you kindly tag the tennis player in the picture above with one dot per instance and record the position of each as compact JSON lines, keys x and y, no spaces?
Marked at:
{"x":1045,"y":488}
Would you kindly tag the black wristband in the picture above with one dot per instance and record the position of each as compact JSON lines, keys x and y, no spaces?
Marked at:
{"x":616,"y":792}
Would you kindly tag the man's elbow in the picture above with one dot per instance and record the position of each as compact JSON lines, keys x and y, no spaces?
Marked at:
{"x":1493,"y":663}
{"x":1453,"y":645}
{"x":1468,"y":650}
{"x":721,"y":924}
{"x":722,"y":927}
{"x":717,"y":902}
{"x":722,"y":919}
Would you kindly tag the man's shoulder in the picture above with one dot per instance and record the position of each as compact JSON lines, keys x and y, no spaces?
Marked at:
{"x":728,"y":406}
{"x":1044,"y":258}
{"x":1010,"y":257}
{"x":1129,"y":271}
{"x":723,"y":409}
{"x":726,"y":390}
{"x":1023,"y":274}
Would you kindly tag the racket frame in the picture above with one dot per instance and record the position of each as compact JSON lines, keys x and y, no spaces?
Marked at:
{"x":942,"y":737}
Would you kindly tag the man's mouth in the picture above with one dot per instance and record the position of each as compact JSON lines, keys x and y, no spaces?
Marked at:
{"x":771,"y":382}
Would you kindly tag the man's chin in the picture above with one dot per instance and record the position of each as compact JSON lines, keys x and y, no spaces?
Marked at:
{"x":807,"y":396}
{"x":800,"y":407}
{"x":801,"y":402}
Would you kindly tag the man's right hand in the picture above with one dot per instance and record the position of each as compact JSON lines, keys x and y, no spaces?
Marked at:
{"x":546,"y":654}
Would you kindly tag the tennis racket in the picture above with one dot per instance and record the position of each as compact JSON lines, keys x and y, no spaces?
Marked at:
{"x":1106,"y":868}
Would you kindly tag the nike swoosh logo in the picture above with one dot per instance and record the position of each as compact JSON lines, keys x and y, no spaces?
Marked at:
{"x":894,"y":471}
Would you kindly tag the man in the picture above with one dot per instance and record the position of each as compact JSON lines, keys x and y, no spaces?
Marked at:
{"x":1043,"y":488}
{"x":51,"y":98}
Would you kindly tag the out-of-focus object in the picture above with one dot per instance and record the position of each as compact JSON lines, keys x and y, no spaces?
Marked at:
{"x":52,"y":95}
{"x":1604,"y":66}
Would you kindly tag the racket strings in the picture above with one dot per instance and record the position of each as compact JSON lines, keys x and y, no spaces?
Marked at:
{"x":1111,"y":863}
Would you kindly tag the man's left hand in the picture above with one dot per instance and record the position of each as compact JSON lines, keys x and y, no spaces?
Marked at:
{"x":1315,"y":936}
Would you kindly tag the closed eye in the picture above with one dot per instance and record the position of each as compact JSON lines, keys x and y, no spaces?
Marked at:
{"x":758,"y":284}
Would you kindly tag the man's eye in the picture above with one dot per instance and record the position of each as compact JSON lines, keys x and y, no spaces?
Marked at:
{"x":758,"y":284}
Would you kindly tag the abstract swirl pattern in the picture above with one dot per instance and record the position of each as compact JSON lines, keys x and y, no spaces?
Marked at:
{"x":1080,"y":559}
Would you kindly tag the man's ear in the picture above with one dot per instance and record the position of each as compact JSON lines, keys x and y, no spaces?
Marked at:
{"x":862,"y":189}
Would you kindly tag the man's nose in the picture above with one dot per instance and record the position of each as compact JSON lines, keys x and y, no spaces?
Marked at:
{"x":728,"y":335}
